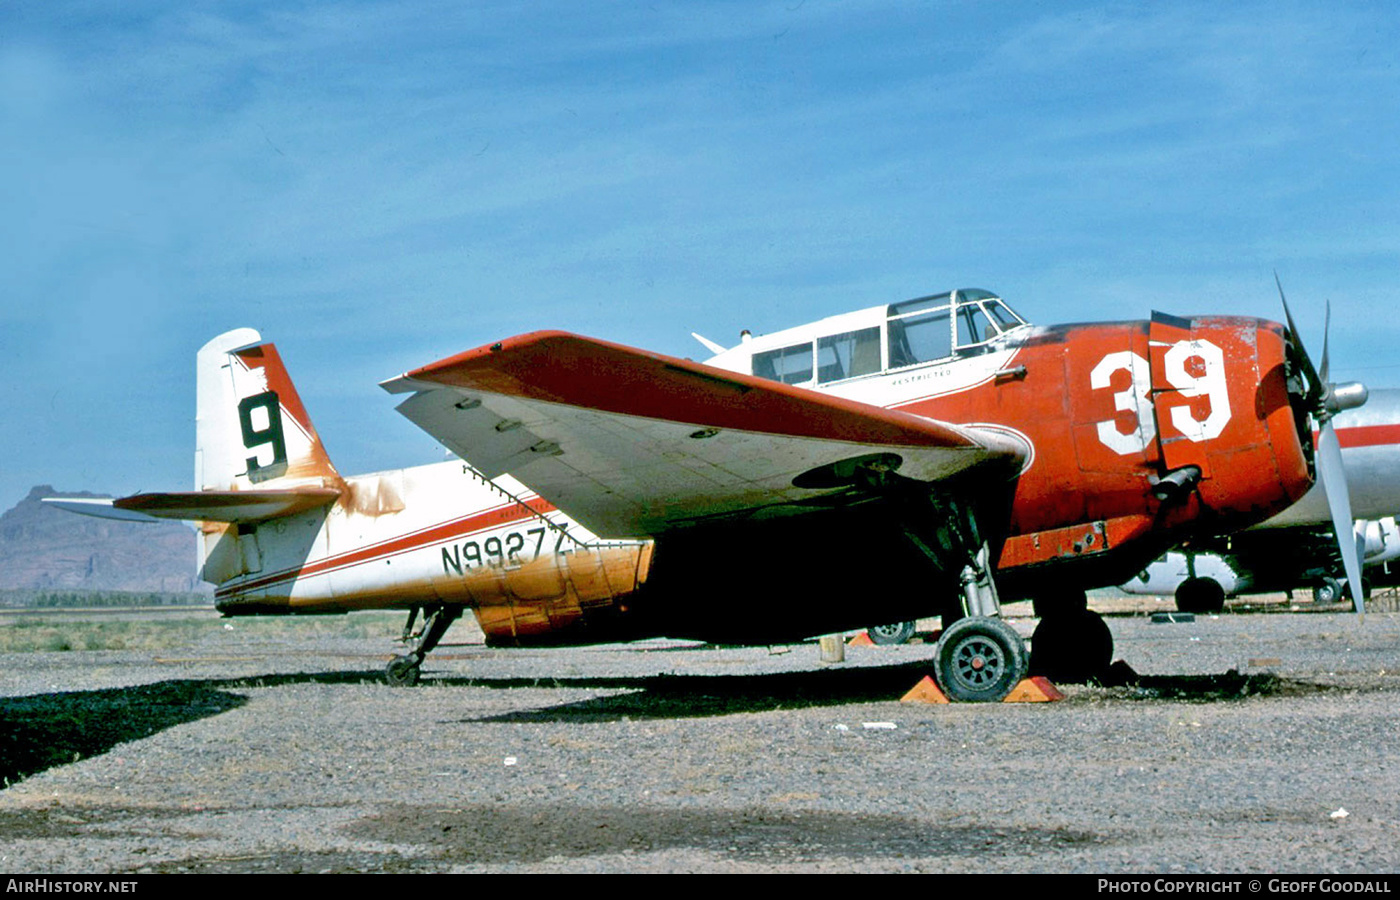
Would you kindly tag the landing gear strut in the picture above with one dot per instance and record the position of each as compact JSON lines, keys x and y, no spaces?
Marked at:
{"x":403,"y":671}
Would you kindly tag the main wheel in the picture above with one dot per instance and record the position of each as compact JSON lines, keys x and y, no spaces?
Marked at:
{"x":1200,"y":595}
{"x":896,"y":633}
{"x":979,"y":660}
{"x":402,"y":671}
{"x":1072,"y":648}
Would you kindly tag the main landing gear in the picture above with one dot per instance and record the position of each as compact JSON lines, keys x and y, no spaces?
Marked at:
{"x":979,"y":658}
{"x":1071,"y":644}
{"x":403,"y":671}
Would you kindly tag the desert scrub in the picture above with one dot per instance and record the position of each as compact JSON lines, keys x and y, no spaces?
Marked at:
{"x":76,"y":632}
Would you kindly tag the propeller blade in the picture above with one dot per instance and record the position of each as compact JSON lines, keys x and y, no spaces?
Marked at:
{"x":1334,"y":485}
{"x":1326,"y":330}
{"x":1316,"y":387}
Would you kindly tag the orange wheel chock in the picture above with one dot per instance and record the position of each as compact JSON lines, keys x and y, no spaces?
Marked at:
{"x":926,"y":691}
{"x":1034,"y":690}
{"x":861,"y":640}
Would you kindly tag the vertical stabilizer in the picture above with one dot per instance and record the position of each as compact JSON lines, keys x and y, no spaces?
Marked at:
{"x":250,"y":426}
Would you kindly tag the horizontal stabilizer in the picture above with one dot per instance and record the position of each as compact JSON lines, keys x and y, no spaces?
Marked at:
{"x":241,"y":507}
{"x":100,"y":508}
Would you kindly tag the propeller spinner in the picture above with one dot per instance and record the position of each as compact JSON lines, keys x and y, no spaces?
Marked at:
{"x":1323,"y":400}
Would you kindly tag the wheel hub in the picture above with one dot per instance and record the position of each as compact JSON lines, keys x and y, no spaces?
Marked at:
{"x":977,"y":662}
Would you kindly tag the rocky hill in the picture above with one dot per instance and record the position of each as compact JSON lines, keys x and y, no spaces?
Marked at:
{"x":42,"y":547}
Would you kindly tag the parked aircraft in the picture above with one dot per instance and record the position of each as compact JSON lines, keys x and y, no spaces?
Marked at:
{"x":932,"y":456}
{"x":1298,"y":547}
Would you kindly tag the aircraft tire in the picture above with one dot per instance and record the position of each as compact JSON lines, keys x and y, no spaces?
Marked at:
{"x":894,"y":633}
{"x":1329,"y":590}
{"x":1073,"y":648}
{"x":979,"y":660}
{"x":1200,"y":595}
{"x":402,"y":671}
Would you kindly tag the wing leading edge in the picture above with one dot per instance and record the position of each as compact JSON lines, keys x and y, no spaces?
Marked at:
{"x":633,"y":443}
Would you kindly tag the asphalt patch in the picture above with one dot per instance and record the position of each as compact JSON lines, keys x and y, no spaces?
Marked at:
{"x":493,"y":835}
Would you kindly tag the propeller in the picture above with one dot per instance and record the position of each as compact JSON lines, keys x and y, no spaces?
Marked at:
{"x":1323,"y":400}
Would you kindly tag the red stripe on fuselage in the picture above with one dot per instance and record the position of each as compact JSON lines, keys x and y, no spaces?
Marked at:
{"x":457,"y":528}
{"x":1367,"y":436}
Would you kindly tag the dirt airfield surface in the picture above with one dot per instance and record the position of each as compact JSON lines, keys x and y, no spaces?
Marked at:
{"x":1253,"y":742}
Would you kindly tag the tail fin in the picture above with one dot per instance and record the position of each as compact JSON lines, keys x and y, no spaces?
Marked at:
{"x":257,"y":458}
{"x":251,"y":430}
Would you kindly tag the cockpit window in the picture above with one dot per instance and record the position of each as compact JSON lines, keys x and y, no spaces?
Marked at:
{"x":848,"y":355}
{"x":790,"y":365}
{"x":1003,"y":314}
{"x":973,"y":325}
{"x":920,"y":337}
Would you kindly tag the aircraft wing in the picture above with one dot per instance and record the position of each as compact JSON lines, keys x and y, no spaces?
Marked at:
{"x":632,"y":443}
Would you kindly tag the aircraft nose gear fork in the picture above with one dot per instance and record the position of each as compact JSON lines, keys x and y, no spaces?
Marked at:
{"x":402,"y":671}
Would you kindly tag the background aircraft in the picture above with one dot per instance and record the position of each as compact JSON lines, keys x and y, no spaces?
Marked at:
{"x":1298,"y":547}
{"x":933,"y":456}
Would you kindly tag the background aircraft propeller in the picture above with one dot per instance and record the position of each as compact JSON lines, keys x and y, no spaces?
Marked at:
{"x":1323,"y":400}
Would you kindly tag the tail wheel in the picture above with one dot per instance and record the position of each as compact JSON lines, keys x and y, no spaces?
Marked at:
{"x":402,"y":671}
{"x":979,"y":660}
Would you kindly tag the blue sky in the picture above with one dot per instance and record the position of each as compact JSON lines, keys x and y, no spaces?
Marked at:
{"x":375,"y":185}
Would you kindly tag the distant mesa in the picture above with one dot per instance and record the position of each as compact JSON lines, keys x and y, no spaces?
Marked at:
{"x":45,"y":548}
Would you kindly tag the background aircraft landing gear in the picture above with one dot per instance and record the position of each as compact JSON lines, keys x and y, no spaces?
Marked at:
{"x":979,"y":659}
{"x":894,"y":633}
{"x":403,"y":671}
{"x":1328,"y":590}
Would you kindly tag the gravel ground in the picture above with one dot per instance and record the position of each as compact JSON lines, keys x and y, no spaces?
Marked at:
{"x":1237,"y":750}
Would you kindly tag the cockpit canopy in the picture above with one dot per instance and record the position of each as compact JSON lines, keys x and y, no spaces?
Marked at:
{"x":913,"y":332}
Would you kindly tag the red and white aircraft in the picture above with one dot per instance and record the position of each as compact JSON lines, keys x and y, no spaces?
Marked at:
{"x":933,"y":456}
